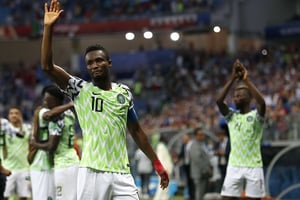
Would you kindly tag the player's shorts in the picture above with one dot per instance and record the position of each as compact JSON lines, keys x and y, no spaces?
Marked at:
{"x":66,"y":183}
{"x":18,"y":183}
{"x":99,"y":185}
{"x":42,"y":184}
{"x":239,"y":179}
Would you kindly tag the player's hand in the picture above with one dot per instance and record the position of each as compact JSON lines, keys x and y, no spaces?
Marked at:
{"x":236,"y":70}
{"x":160,"y":170}
{"x":239,"y":71}
{"x":4,"y":171}
{"x":52,"y":12}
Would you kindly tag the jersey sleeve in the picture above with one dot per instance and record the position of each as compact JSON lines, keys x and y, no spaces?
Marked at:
{"x":55,"y":128}
{"x":8,"y":128}
{"x":74,"y":86}
{"x":229,"y":114}
{"x":129,"y":94}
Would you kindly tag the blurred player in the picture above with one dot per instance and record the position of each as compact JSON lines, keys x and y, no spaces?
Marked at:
{"x":7,"y":131}
{"x":66,"y":160}
{"x":18,"y":183}
{"x":42,"y":160}
{"x":104,"y":110}
{"x":244,"y":171}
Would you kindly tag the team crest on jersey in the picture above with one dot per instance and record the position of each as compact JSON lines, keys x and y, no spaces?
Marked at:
{"x":249,"y":118}
{"x":121,"y":98}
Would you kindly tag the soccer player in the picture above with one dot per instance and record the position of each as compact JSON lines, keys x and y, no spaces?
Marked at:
{"x":66,"y":160}
{"x":42,"y":160}
{"x":7,"y":131}
{"x":244,"y":170}
{"x":104,"y":109}
{"x":18,"y":183}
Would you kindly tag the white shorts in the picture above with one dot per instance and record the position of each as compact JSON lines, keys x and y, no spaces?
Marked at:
{"x":239,"y":179}
{"x":66,"y":183}
{"x":42,"y":183}
{"x":18,"y":183}
{"x":97,"y":185}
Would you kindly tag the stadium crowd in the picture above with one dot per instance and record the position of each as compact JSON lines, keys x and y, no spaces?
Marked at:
{"x":26,"y":12}
{"x":189,"y":87}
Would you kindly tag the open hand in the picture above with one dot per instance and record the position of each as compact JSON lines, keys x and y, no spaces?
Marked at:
{"x":52,"y":12}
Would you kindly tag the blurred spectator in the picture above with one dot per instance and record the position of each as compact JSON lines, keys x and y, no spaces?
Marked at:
{"x":144,"y":170}
{"x":185,"y":156}
{"x":165,"y":157}
{"x":201,"y":169}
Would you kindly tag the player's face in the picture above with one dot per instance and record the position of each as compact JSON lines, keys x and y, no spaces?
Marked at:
{"x":97,"y":64}
{"x":14,"y":115}
{"x":241,"y":97}
{"x":49,"y":101}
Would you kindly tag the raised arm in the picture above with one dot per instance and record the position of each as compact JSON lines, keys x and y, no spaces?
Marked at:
{"x":261,"y":104}
{"x":56,"y":73}
{"x":236,"y":73}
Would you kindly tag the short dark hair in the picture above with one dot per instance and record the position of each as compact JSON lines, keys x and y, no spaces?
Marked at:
{"x":96,"y":47}
{"x":241,"y":85}
{"x":54,"y":91}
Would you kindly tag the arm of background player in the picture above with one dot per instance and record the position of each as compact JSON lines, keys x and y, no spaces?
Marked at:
{"x":56,"y":111}
{"x":223,"y":107}
{"x":50,"y":145}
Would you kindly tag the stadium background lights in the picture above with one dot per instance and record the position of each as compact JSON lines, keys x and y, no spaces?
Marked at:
{"x":148,"y":34}
{"x":174,"y":36}
{"x":129,"y":36}
{"x":217,"y":29}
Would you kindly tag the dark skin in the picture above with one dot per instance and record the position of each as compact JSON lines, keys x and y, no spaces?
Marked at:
{"x":56,"y":108}
{"x":98,"y":65}
{"x":242,"y":97}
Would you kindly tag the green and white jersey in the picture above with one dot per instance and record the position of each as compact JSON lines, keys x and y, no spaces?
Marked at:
{"x":7,"y":131}
{"x":245,"y":138}
{"x":102,"y":116}
{"x":65,"y":154}
{"x":41,"y":159}
{"x":17,"y":150}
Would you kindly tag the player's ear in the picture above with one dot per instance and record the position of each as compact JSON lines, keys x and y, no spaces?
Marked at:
{"x":109,"y":63}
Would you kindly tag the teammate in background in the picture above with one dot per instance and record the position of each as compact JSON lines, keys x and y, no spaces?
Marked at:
{"x":66,"y":160}
{"x":7,"y":131}
{"x":18,"y":183}
{"x":3,"y":173}
{"x":41,"y":160}
{"x":244,"y":171}
{"x":104,"y":109}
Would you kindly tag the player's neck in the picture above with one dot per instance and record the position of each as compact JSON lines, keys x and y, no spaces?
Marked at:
{"x":245,"y":110}
{"x":103,"y":84}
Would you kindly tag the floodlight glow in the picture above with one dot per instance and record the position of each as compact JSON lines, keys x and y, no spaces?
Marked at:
{"x":217,"y":29}
{"x":174,"y":36}
{"x":148,"y":34}
{"x":129,"y":36}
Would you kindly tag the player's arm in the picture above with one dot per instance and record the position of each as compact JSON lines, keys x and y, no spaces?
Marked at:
{"x":143,"y":143}
{"x":56,"y":111}
{"x":223,"y":107}
{"x":56,"y":73}
{"x":3,"y":170}
{"x":261,"y":104}
{"x":54,"y":129}
{"x":50,"y":145}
